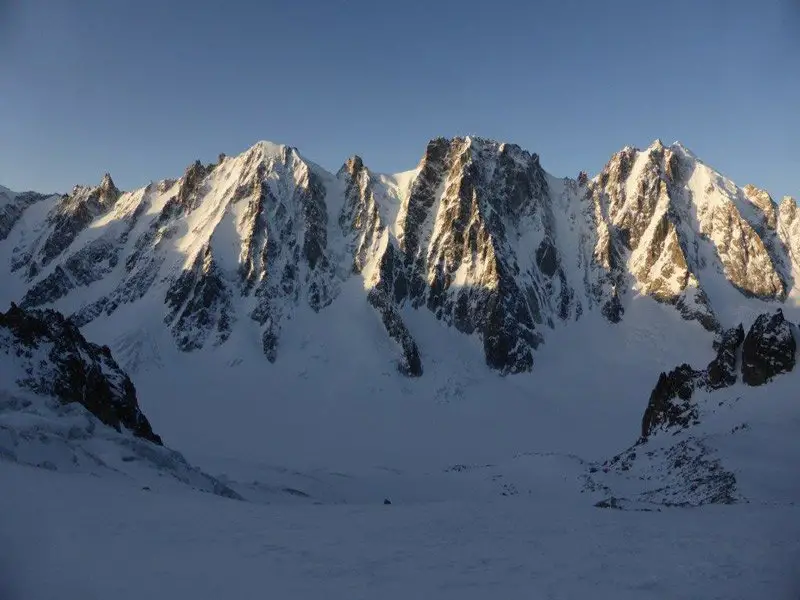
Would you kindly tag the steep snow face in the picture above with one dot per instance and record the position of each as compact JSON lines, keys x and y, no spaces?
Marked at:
{"x":478,"y":234}
{"x":12,"y":206}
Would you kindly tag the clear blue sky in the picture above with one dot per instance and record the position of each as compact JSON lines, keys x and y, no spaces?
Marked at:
{"x":142,"y":88}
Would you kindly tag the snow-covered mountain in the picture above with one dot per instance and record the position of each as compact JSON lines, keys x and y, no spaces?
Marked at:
{"x":478,"y":234}
{"x":338,"y":343}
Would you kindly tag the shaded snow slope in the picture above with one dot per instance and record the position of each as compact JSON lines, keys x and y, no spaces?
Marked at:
{"x":41,"y":432}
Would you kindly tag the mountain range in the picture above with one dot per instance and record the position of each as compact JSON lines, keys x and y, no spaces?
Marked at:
{"x":464,"y":351}
{"x":478,"y":234}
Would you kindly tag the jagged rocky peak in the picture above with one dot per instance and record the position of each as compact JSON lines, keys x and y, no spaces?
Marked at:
{"x":789,"y":229}
{"x":678,"y":146}
{"x":787,"y":209}
{"x":352,"y":166}
{"x":188,"y":196}
{"x":638,"y":216}
{"x":360,"y":219}
{"x":107,"y":185}
{"x":98,"y":198}
{"x":673,"y":222}
{"x":51,"y":358}
{"x":721,"y":372}
{"x":460,"y":225}
{"x":453,"y":247}
{"x":71,"y":215}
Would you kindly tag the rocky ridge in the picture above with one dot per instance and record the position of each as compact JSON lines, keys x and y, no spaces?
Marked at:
{"x":769,"y":349}
{"x":674,"y":462}
{"x":478,"y":234}
{"x":44,"y":353}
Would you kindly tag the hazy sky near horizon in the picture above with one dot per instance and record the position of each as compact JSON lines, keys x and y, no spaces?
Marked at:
{"x":143,"y":88}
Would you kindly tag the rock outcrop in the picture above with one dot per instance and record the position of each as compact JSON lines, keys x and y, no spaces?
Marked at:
{"x":768,"y":349}
{"x":46,"y":354}
{"x":670,"y":402}
{"x":684,"y":467}
{"x":721,"y":372}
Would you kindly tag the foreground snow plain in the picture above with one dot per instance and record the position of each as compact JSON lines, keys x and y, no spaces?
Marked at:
{"x":485,"y":474}
{"x":75,"y":536}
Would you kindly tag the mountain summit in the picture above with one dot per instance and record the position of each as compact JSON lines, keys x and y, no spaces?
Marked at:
{"x":478,"y":234}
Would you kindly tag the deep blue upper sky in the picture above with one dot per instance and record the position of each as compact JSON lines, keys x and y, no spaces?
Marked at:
{"x":142,"y":88}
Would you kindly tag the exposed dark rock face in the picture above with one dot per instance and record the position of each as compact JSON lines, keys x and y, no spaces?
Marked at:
{"x":766,"y":222}
{"x":466,"y":209}
{"x":666,"y":231}
{"x":470,"y":204}
{"x":188,"y":195}
{"x":199,"y":303}
{"x":687,"y":473}
{"x":254,"y":223}
{"x":142,"y":265}
{"x":670,"y":402}
{"x":697,"y":307}
{"x":365,"y":232}
{"x":91,"y":263}
{"x":58,"y":361}
{"x":410,"y":364}
{"x":640,"y":218}
{"x":360,"y":219}
{"x":721,"y":372}
{"x":788,"y":230}
{"x":769,"y":349}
